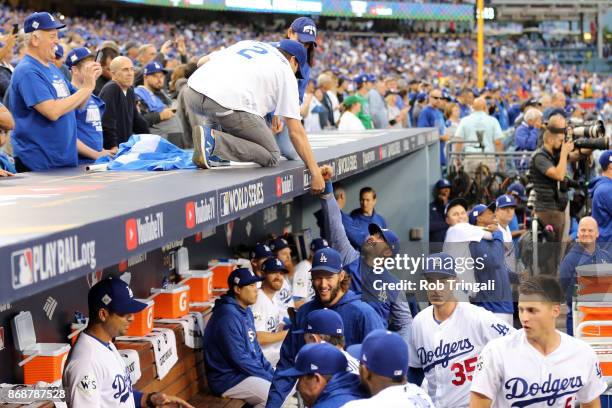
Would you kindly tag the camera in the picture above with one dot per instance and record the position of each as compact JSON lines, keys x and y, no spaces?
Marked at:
{"x":588,"y":135}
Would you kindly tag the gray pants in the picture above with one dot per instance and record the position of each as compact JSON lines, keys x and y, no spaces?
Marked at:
{"x":245,"y":137}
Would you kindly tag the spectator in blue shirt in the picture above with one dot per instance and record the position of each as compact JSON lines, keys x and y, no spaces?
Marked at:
{"x":432,"y":116}
{"x":89,"y":117}
{"x":43,"y":103}
{"x":7,"y":163}
{"x":527,"y":134}
{"x":600,"y":190}
{"x":465,"y":100}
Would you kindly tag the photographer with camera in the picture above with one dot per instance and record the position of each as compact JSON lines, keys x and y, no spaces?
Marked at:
{"x":549,"y":193}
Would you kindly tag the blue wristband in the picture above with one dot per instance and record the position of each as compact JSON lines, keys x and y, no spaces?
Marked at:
{"x":329,"y":188}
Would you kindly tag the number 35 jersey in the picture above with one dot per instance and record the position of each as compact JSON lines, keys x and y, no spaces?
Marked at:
{"x":448,"y":351}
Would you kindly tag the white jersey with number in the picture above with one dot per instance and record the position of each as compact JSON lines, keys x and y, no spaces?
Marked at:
{"x":448,"y":351}
{"x":397,"y":396}
{"x":268,"y":315}
{"x":285,"y":294}
{"x":302,"y":281}
{"x":249,"y":76}
{"x":96,"y":376}
{"x":512,"y":373}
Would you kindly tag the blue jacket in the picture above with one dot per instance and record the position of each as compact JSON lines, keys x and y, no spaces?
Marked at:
{"x":353,"y":232}
{"x":491,"y":254}
{"x":231,"y":350}
{"x":526,"y":137}
{"x":340,"y":389}
{"x":361,"y":222}
{"x":437,"y":222}
{"x":600,"y":189}
{"x":392,"y":306}
{"x":359,"y":319}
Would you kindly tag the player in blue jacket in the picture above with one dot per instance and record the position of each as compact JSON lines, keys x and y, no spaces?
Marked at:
{"x":331,"y":286}
{"x":235,"y":364}
{"x":323,"y":379}
{"x":392,"y":306}
{"x":365,"y":215}
{"x":600,"y":189}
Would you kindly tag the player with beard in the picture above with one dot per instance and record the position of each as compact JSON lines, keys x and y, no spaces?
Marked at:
{"x":331,"y":285}
{"x":392,"y":306}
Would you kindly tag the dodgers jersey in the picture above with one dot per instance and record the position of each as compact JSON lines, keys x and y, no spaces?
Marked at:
{"x":268,"y":314}
{"x":448,"y":351}
{"x":96,"y":376}
{"x":512,"y":373}
{"x":398,"y":396}
{"x":285,"y":294}
{"x":249,"y":76}
{"x":302,"y":281}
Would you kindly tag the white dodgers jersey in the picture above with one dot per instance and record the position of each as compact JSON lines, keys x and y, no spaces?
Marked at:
{"x":398,"y":396}
{"x":448,"y":351}
{"x":96,"y":376}
{"x":512,"y":373}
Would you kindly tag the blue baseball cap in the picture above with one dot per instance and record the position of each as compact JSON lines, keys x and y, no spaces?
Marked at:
{"x":114,"y":295}
{"x":242,"y":277}
{"x":273,"y":265}
{"x":153,"y":68}
{"x":298,"y":51}
{"x":261,"y":251}
{"x":478,"y":209}
{"x":443,"y":183}
{"x":385,"y":353}
{"x":279,"y":243}
{"x":361,"y":78}
{"x":328,"y":260}
{"x":318,"y":243}
{"x":389,"y":236}
{"x":322,"y":358}
{"x":306,"y":29}
{"x":77,"y":55}
{"x":41,"y":21}
{"x":323,"y":321}
{"x":421,"y":97}
{"x":371,"y":77}
{"x":440,"y":263}
{"x":504,"y":201}
{"x":605,"y":159}
{"x":519,"y":189}
{"x":59,"y":51}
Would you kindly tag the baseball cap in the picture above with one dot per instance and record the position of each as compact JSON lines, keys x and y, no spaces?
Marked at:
{"x":323,"y":321}
{"x":318,"y":243}
{"x":153,"y":68}
{"x":322,"y":358}
{"x":385,"y":353}
{"x":298,"y":51}
{"x":351,"y":100}
{"x":261,"y":251}
{"x":306,"y":29}
{"x":371,"y":77}
{"x":114,"y":295}
{"x":361,"y":78}
{"x":77,"y":55}
{"x":504,"y":201}
{"x":440,"y":263}
{"x":605,"y":159}
{"x":272,"y":265}
{"x":279,"y":243}
{"x":41,"y":21}
{"x":59,"y":51}
{"x":519,"y":189}
{"x":389,"y":236}
{"x":421,"y":97}
{"x":443,"y":183}
{"x":478,"y":209}
{"x":455,"y":201}
{"x":242,"y":277}
{"x":328,"y":260}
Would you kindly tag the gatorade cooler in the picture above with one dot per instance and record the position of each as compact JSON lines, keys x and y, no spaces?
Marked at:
{"x":172,"y":302}
{"x":596,"y":312}
{"x":221,"y":269}
{"x":42,"y":361}
{"x":143,"y":320}
{"x":604,"y":355}
{"x":201,"y":284}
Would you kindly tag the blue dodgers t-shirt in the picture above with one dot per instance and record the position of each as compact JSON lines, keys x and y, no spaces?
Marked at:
{"x":89,"y":126}
{"x":432,"y":117}
{"x":38,"y":142}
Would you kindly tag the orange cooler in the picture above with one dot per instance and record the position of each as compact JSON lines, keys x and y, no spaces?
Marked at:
{"x":221,"y":269}
{"x":590,"y":313}
{"x":143,"y":320}
{"x":50,"y":358}
{"x":201,"y":284}
{"x":172,"y":302}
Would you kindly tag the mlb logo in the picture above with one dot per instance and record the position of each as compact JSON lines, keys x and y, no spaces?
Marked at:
{"x":22,"y":267}
{"x":279,"y":186}
{"x":190,"y":220}
{"x":131,"y":234}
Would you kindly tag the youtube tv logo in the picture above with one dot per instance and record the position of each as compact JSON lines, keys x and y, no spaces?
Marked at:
{"x":279,"y":187}
{"x":131,"y":234}
{"x":190,"y":218}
